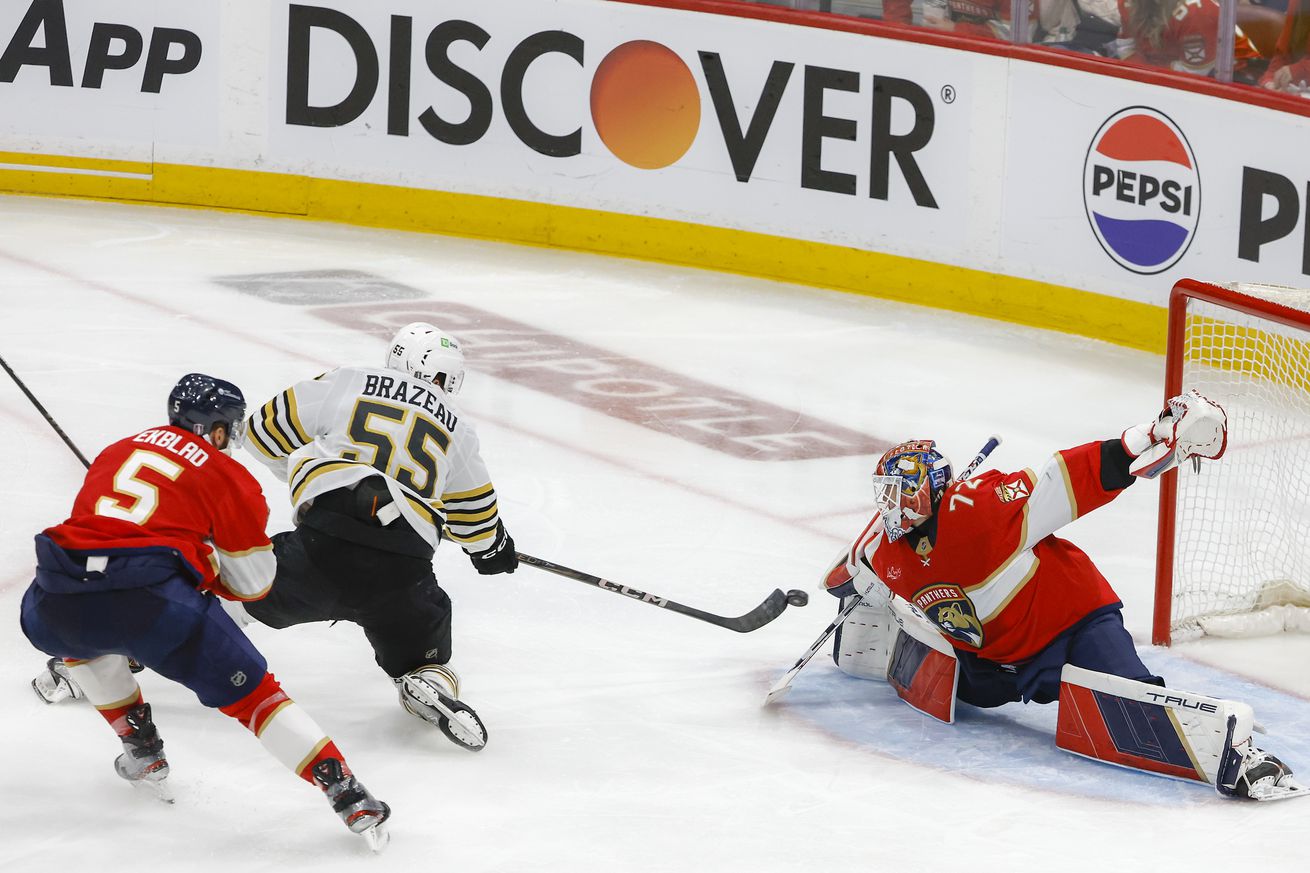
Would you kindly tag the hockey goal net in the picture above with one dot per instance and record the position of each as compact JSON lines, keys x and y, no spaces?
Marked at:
{"x":1234,"y":548}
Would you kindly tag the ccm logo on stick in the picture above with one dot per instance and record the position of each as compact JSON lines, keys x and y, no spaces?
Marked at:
{"x":171,"y":52}
{"x":631,"y":592}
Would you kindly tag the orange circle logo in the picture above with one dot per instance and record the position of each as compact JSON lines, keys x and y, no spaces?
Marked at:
{"x":645,"y":105}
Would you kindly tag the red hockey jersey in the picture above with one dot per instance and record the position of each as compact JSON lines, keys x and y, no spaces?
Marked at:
{"x":996,"y":581}
{"x":1189,"y":42}
{"x":165,"y":488}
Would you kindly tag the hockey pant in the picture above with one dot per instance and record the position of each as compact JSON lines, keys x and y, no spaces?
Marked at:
{"x":336,"y":567}
{"x":171,"y":628}
{"x":1098,"y":642}
{"x":181,"y":634}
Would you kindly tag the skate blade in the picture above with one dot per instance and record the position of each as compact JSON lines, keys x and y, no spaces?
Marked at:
{"x":158,"y":789}
{"x":377,"y":837}
{"x":1285,"y":790}
{"x":461,"y":733}
{"x":47,"y":693}
{"x":52,"y":690}
{"x":467,"y":736}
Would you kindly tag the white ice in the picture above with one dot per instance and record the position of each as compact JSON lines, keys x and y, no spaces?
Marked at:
{"x":623,"y":738}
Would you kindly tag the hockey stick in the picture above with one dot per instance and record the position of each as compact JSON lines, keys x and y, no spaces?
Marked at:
{"x":783,"y":685}
{"x":771,"y":608}
{"x":41,"y":409}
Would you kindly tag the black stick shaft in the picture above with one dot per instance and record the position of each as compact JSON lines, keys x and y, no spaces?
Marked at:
{"x":770,"y":609}
{"x":46,"y":415}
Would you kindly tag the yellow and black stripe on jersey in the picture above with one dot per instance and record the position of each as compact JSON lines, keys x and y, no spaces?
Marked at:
{"x":311,"y":468}
{"x":471,"y":516}
{"x":275,"y":430}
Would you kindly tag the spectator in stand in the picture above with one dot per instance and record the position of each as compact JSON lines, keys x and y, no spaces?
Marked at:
{"x":1049,"y":21}
{"x":1289,"y":70}
{"x":899,"y":11}
{"x":1179,"y":35}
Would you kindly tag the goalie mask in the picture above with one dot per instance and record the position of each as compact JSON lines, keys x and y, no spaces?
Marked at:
{"x":426,"y":353}
{"x":909,"y":481}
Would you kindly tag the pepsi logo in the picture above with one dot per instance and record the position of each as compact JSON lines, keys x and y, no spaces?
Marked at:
{"x":1142,"y":190}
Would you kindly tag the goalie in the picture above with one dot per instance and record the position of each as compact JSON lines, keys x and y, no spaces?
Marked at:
{"x":969,"y":595}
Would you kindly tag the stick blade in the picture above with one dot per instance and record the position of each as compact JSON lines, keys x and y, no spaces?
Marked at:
{"x":779,"y":689}
{"x":772,"y":607}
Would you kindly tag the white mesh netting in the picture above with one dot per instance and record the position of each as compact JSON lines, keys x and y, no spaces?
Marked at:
{"x":1242,"y":539}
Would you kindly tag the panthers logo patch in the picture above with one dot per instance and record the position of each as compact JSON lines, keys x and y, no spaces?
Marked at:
{"x":948,"y":607}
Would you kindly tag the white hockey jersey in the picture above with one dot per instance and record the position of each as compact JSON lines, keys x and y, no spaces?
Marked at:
{"x":355,"y":422}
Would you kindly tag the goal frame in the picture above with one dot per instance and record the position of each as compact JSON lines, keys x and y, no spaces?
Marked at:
{"x":1185,"y":291}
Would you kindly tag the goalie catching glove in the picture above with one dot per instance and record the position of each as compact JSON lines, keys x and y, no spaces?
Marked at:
{"x":1191,"y":426}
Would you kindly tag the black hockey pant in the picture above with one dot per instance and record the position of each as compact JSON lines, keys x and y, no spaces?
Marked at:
{"x":394,"y":597}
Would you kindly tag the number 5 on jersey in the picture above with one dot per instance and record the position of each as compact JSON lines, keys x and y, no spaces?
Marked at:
{"x":378,"y":425}
{"x":127,"y":482}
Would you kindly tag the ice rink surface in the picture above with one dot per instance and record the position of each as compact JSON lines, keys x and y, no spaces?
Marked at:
{"x":622,"y":737}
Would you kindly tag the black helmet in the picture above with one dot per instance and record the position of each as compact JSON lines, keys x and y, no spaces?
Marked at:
{"x":198,"y":403}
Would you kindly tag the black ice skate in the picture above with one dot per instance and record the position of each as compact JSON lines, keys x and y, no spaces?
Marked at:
{"x":142,"y":762}
{"x":432,"y":693}
{"x":360,"y":811}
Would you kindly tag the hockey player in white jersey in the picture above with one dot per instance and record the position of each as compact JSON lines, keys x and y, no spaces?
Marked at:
{"x":379,"y":461}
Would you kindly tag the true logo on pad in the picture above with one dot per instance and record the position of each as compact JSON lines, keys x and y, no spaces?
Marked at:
{"x":1142,"y":190}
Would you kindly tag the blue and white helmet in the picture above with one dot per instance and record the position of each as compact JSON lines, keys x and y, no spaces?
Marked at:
{"x":426,"y":353}
{"x":199,"y":403}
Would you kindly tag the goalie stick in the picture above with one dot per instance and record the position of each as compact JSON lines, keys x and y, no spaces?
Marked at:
{"x":783,"y":685}
{"x":771,"y":608}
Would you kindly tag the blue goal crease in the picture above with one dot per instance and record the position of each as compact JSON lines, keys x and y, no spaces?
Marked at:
{"x":1015,"y":744}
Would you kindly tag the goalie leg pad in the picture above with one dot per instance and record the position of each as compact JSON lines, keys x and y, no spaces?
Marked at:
{"x":1168,"y":732}
{"x":1144,"y":727}
{"x":863,"y":643}
{"x":923,"y":668}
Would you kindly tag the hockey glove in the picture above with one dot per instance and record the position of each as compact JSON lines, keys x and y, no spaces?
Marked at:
{"x":839,"y":582}
{"x":500,"y":558}
{"x":1191,"y":426}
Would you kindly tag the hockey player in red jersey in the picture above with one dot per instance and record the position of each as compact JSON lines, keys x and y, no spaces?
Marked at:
{"x":979,"y":560}
{"x":164,"y":521}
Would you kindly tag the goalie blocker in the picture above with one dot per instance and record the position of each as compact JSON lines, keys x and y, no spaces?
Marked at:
{"x":1108,"y":718}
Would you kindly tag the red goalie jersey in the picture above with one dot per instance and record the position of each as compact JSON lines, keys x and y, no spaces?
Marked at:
{"x":165,"y":489}
{"x":986,"y":568}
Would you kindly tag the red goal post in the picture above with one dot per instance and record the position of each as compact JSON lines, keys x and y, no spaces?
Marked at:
{"x":1233,"y":557}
